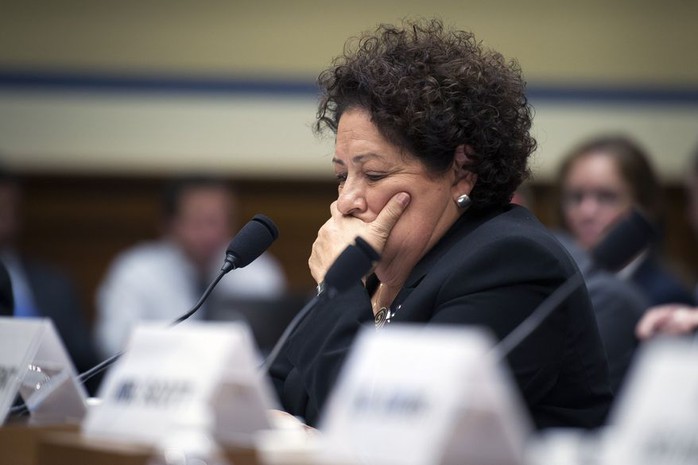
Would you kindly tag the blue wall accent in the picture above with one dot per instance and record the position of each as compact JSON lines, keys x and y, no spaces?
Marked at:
{"x":99,"y":83}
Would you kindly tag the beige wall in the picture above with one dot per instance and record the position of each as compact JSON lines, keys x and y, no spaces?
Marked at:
{"x":622,"y":41}
{"x":590,"y":43}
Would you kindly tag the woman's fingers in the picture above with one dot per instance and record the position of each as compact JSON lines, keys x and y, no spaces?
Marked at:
{"x":379,"y":229}
{"x":341,"y":230}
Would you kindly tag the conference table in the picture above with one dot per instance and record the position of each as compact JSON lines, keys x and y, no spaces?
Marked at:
{"x":64,"y":444}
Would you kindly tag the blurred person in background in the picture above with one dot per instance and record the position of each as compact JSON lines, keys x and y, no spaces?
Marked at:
{"x":162,"y":279}
{"x":668,"y":320}
{"x":676,"y":318}
{"x":601,"y":181}
{"x":618,"y":307}
{"x":692,"y":206}
{"x":40,"y":289}
{"x":523,"y":195}
{"x":7,"y":298}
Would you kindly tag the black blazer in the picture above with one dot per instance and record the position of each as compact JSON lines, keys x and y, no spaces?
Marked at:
{"x":56,"y":298}
{"x":489,"y":270}
{"x":7,"y":301}
{"x":618,"y":305}
{"x":659,"y":284}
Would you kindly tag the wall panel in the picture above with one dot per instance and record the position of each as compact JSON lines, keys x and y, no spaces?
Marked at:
{"x":81,"y":222}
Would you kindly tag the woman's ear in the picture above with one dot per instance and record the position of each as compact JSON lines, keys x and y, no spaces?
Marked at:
{"x":464,"y":179}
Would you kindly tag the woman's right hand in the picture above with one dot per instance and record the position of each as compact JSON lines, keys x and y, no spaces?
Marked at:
{"x":341,"y":230}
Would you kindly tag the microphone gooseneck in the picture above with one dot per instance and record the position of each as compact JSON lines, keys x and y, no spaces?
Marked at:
{"x":247,"y":245}
{"x":622,"y":243}
{"x":535,"y":319}
{"x":351,"y":266}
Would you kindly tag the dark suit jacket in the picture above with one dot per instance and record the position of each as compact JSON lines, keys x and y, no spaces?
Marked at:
{"x":490,"y":270}
{"x":660,"y":285}
{"x":7,"y":301}
{"x":56,"y":298}
{"x":618,"y":305}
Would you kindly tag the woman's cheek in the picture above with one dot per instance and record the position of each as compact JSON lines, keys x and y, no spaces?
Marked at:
{"x":377,"y":202}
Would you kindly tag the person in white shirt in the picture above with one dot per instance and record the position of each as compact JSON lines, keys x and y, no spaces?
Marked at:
{"x":161,"y":280}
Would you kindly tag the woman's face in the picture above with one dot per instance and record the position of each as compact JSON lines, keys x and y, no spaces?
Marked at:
{"x":370,"y":170}
{"x":594,"y":197}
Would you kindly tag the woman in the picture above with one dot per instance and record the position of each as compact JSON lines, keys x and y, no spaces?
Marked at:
{"x":432,"y":139}
{"x":601,"y":181}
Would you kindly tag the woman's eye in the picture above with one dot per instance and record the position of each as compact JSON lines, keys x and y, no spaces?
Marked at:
{"x":341,"y":177}
{"x":375,"y":176}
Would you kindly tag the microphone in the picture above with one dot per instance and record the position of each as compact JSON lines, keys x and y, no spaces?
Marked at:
{"x":621,"y":244}
{"x":248,"y":244}
{"x":350,"y":266}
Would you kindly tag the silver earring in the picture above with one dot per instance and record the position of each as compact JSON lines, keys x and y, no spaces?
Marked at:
{"x":463,"y":201}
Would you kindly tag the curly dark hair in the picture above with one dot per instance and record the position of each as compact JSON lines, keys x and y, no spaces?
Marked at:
{"x":429,"y":90}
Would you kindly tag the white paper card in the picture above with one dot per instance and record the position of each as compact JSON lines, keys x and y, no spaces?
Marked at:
{"x":656,"y":418}
{"x":424,"y":395}
{"x":35,"y":364}
{"x":166,"y":379}
{"x":19,"y":340}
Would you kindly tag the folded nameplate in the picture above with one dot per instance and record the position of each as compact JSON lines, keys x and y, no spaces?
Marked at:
{"x":655,"y":418}
{"x":425,"y":395}
{"x":169,"y":379}
{"x":35,"y":364}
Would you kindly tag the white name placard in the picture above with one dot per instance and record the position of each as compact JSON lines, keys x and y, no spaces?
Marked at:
{"x":424,"y":395}
{"x":171,"y":378}
{"x":656,"y":418}
{"x":35,"y":364}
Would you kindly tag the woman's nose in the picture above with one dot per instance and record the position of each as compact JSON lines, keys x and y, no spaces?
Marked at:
{"x":588,"y":205}
{"x":351,"y":199}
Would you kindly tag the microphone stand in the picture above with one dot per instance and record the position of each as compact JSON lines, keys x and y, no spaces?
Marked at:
{"x":535,"y":319}
{"x":350,"y":266}
{"x":248,"y":244}
{"x":624,"y":242}
{"x":100,"y":367}
{"x":300,"y":316}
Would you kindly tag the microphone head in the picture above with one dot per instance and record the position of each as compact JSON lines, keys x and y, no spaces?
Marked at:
{"x":268,"y":223}
{"x":623,"y":242}
{"x":252,"y":240}
{"x":367,"y":249}
{"x":351,"y":265}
